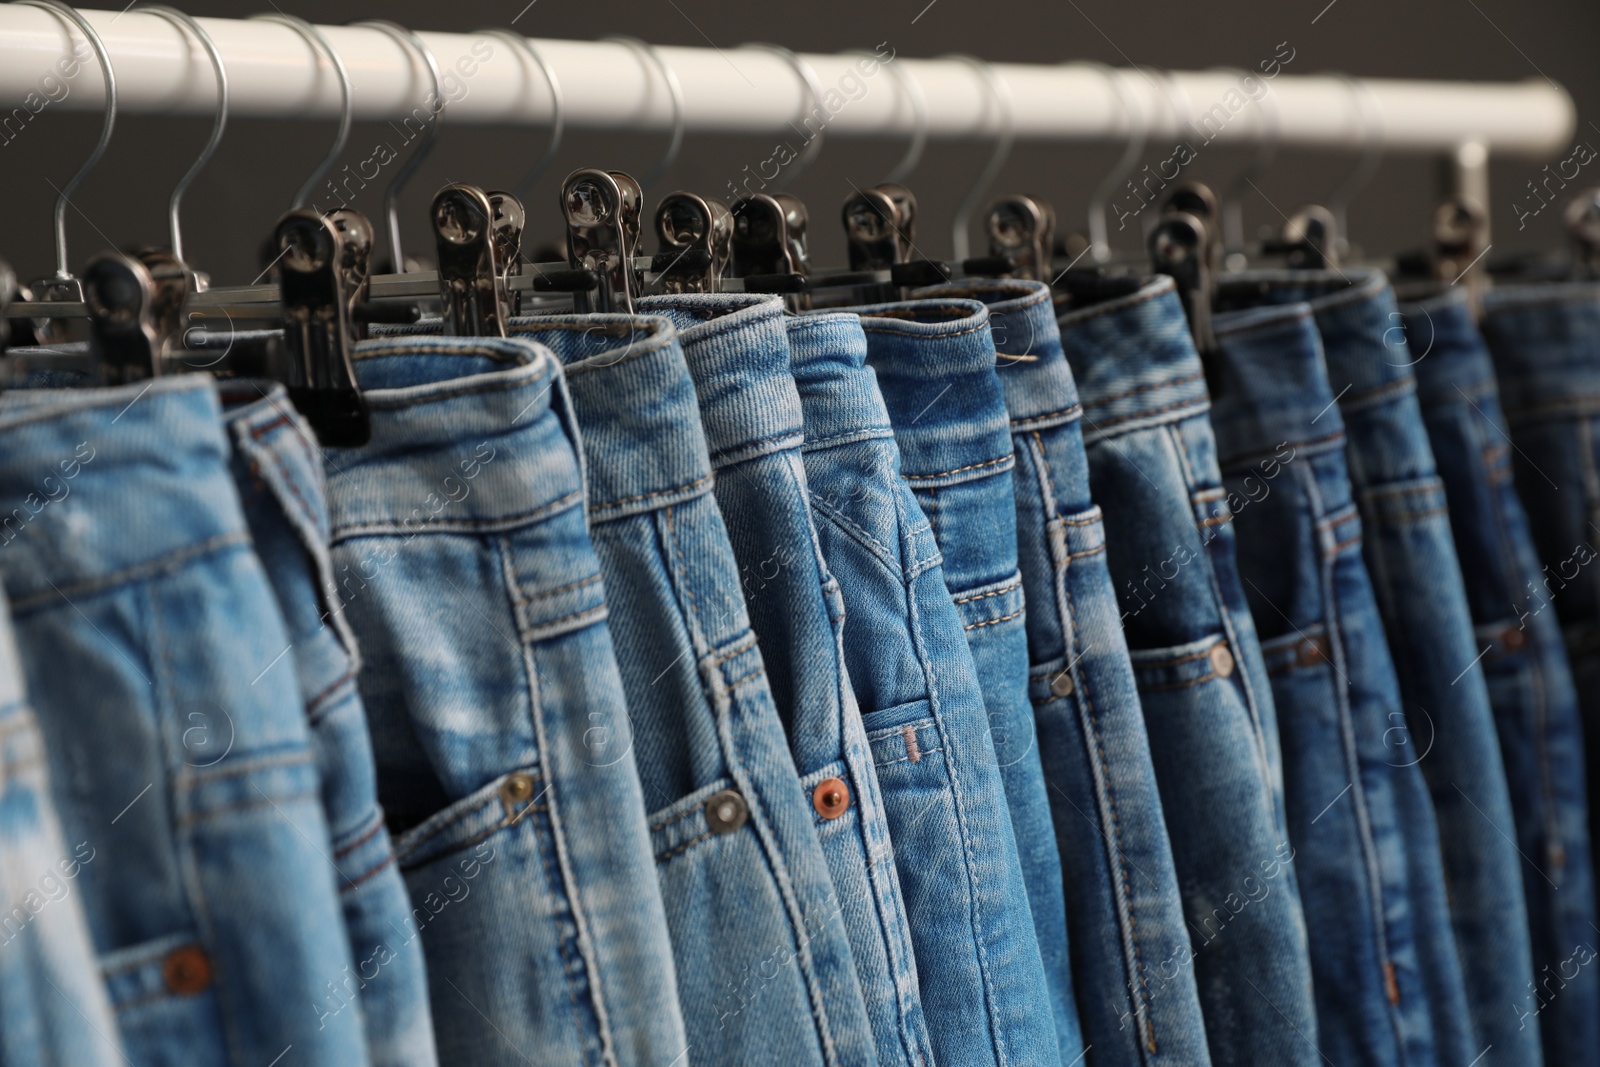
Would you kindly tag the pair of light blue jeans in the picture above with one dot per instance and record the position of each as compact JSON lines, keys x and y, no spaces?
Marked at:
{"x":1202,"y":683}
{"x":462,"y":561}
{"x":1384,"y":963}
{"x":759,"y":929}
{"x":1134,"y":988}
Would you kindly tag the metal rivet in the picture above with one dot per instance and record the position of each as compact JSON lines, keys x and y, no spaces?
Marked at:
{"x":186,"y":970}
{"x":518,"y":787}
{"x":726,"y":811}
{"x":1515,"y":639}
{"x":1221,"y":661}
{"x":1061,"y":684}
{"x":831,"y":798}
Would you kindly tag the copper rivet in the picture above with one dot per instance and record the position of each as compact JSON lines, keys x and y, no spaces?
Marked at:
{"x":1061,"y":684}
{"x":1221,"y":661}
{"x":726,"y":811}
{"x":186,"y":970}
{"x":831,"y":798}
{"x":518,"y":787}
{"x":1515,"y":639}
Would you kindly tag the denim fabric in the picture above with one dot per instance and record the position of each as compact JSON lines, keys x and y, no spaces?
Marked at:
{"x":1544,"y":344}
{"x":984,"y":985}
{"x":1383,"y":956}
{"x":53,"y":1005}
{"x":178,"y":755}
{"x":1411,"y":557}
{"x":1530,"y":684}
{"x":1135,"y":994}
{"x":764,"y":962}
{"x":1202,"y":683}
{"x":464,"y":566}
{"x":278,"y":470}
{"x":738,"y":360}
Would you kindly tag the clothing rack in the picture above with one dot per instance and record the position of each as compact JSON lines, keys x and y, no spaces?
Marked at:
{"x":274,"y":72}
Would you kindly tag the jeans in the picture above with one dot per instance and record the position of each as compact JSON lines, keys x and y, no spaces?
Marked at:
{"x":737,"y":355}
{"x":1135,"y":994}
{"x":1383,"y":957}
{"x":765,"y":969}
{"x":182,"y":765}
{"x":1411,"y":557}
{"x":1202,"y":683}
{"x":463,"y":563}
{"x":53,"y":1006}
{"x":1543,"y":340}
{"x":278,"y":471}
{"x":982,"y":976}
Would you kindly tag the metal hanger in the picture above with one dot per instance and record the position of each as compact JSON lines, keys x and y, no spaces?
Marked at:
{"x":218,"y":124}
{"x":1234,"y":257}
{"x":558,"y":107}
{"x":809,"y":83}
{"x":696,"y":235}
{"x":64,"y":286}
{"x":648,"y":54}
{"x":601,"y":210}
{"x":1022,"y":229}
{"x":322,"y":258}
{"x":1099,"y":244}
{"x":391,"y":196}
{"x":319,"y":43}
{"x":1370,"y":115}
{"x":1000,"y":97}
{"x":912,"y":89}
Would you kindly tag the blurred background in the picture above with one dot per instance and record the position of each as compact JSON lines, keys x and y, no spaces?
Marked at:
{"x":230,"y":210}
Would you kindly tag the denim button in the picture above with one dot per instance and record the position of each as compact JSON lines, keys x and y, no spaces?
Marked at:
{"x":831,"y":797}
{"x":186,"y":970}
{"x":1061,"y":684}
{"x":726,"y":811}
{"x":1221,"y":661}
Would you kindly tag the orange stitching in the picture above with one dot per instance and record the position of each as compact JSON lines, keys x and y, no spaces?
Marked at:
{"x":993,"y":622}
{"x":1192,"y":401}
{"x":667,"y":855}
{"x":958,"y":470}
{"x":1148,"y":386}
{"x":985,"y":596}
{"x":658,"y":492}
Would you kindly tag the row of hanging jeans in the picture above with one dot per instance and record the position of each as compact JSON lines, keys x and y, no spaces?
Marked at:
{"x":979,"y":678}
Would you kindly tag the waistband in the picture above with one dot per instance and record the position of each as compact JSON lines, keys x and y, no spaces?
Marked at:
{"x":468,"y":434}
{"x":737,"y":350}
{"x":1039,"y":387}
{"x":1452,"y":361}
{"x":101,"y":484}
{"x":935,"y":362}
{"x":1272,"y":384}
{"x":636,"y":403}
{"x":1545,"y":340}
{"x":1363,"y":339}
{"x":1134,"y":361}
{"x":838,"y":391}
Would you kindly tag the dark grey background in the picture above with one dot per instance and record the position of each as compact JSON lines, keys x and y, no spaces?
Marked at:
{"x":232,"y":207}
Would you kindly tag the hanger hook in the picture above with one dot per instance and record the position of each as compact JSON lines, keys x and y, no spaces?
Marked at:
{"x":1267,"y":117}
{"x":1139,"y":130}
{"x":1000,"y":96}
{"x":319,"y":43}
{"x":1371,"y":120}
{"x":648,"y":53}
{"x":391,"y":196}
{"x":186,"y":22}
{"x":809,"y":84}
{"x":558,"y":121}
{"x":911,"y":89}
{"x":64,"y":194}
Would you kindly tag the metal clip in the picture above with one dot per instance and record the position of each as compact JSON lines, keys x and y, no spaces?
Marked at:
{"x":506,"y":226}
{"x":8,"y":293}
{"x":355,"y":263}
{"x":1309,"y":240}
{"x":601,"y":209}
{"x":472,"y":289}
{"x":879,"y":227}
{"x":1582,"y":218}
{"x":1022,"y":228}
{"x":1179,"y":248}
{"x":318,"y":330}
{"x":769,"y":247}
{"x":135,"y":304}
{"x":696,"y":235}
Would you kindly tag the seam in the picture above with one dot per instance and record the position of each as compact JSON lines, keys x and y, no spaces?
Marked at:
{"x":958,"y":470}
{"x":524,"y":601}
{"x":683,"y":847}
{"x":1118,"y":420}
{"x":527,"y":632}
{"x":412,"y":526}
{"x":315,"y":703}
{"x":1148,"y":387}
{"x":1086,"y":552}
{"x":994,"y":622}
{"x":914,"y":333}
{"x":1143,"y":295}
{"x":167,"y":564}
{"x":676,"y":819}
{"x":653,"y":493}
{"x":340,"y":853}
{"x":258,"y":432}
{"x":984,"y":596}
{"x":351,"y":885}
{"x":1208,"y":676}
{"x":1073,"y":409}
